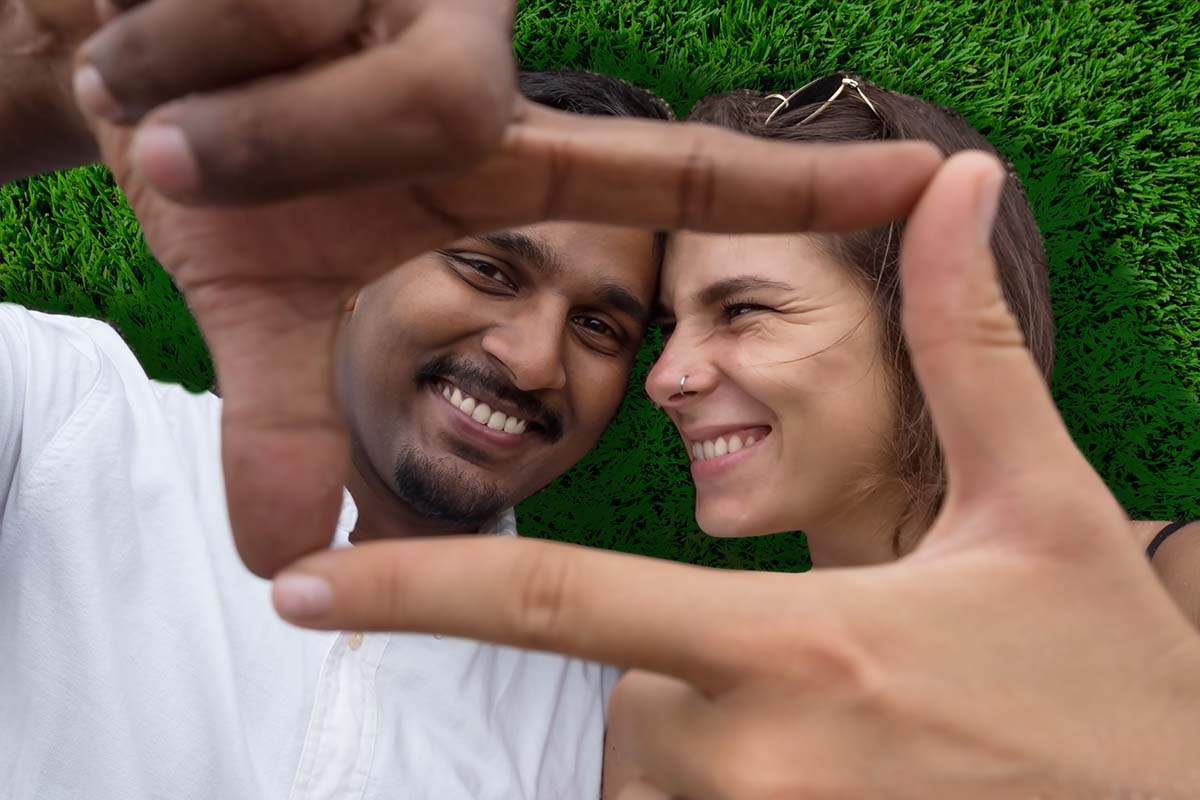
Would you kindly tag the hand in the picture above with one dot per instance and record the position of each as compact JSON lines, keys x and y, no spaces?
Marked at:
{"x":1024,"y":650}
{"x":267,"y":285}
{"x":265,"y":99}
{"x":40,"y":128}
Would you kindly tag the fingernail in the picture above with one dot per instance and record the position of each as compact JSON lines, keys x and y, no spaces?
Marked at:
{"x":302,"y":597}
{"x":163,"y":155}
{"x":92,"y":95}
{"x":987,"y":203}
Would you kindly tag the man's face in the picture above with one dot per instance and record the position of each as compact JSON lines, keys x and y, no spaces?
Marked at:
{"x":539,"y":324}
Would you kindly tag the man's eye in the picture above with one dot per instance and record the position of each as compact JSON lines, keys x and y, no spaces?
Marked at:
{"x":596,"y":326}
{"x":489,"y":271}
{"x":483,"y":274}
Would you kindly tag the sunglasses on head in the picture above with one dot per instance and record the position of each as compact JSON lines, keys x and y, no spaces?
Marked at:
{"x":831,"y":87}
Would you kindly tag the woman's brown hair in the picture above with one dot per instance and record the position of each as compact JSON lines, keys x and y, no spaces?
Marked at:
{"x":873,"y":255}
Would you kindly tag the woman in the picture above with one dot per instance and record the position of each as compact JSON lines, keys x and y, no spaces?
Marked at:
{"x":785,"y":370}
{"x":784,"y":367}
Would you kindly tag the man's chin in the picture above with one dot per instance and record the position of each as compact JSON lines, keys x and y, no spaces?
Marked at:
{"x":448,"y":490}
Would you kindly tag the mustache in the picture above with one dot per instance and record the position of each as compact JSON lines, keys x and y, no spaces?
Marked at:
{"x":477,"y":380}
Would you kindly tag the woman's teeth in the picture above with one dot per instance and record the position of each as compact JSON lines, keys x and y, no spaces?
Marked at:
{"x":715,"y":448}
{"x":482,"y":413}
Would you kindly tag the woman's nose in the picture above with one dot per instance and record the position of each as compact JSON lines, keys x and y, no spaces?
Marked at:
{"x":679,"y":376}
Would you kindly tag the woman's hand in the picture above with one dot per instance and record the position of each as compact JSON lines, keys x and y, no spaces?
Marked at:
{"x":1024,"y":650}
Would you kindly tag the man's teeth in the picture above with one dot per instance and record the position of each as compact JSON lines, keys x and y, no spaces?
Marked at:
{"x":482,"y":412}
{"x":715,"y":448}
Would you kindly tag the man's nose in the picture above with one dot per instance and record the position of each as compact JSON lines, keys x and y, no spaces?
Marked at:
{"x":530,"y":348}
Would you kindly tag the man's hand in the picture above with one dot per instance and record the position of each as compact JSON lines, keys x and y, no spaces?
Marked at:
{"x":259,"y":100}
{"x":267,"y":285}
{"x":40,"y":128}
{"x":1024,"y":650}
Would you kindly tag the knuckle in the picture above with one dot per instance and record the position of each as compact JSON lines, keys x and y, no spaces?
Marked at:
{"x":696,"y":188}
{"x":471,"y":111}
{"x":542,"y":599}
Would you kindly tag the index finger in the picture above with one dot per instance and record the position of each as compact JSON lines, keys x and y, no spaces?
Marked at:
{"x":601,"y":606}
{"x":687,"y":176}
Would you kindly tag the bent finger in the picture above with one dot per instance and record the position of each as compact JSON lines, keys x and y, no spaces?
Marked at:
{"x":159,"y":50}
{"x":397,"y":111}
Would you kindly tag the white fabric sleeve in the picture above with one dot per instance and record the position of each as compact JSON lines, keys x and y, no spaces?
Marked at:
{"x":48,"y":365}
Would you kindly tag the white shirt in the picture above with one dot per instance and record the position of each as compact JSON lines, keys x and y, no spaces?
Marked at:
{"x":140,"y":659}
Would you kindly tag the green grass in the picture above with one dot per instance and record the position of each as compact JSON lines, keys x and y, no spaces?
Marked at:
{"x":1094,"y":102}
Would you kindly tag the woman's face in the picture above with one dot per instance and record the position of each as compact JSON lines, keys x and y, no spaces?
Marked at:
{"x":787,"y":412}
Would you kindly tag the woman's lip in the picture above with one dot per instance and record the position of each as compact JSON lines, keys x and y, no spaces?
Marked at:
{"x":701,"y":435}
{"x":715,"y":466}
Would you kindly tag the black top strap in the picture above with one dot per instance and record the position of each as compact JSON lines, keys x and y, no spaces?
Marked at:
{"x":1165,"y":534}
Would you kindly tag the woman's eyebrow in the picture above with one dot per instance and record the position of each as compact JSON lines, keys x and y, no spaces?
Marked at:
{"x":716,"y":292}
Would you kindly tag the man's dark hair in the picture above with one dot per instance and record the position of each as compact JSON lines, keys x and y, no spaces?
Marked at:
{"x":591,"y":93}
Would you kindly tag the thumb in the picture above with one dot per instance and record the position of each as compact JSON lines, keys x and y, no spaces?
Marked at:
{"x":989,"y":402}
{"x":284,"y":445}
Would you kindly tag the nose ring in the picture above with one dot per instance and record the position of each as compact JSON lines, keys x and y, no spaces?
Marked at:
{"x":682,"y":381}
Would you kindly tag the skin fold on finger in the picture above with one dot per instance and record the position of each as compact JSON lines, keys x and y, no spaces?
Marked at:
{"x":165,"y":49}
{"x":688,"y":176}
{"x":543,"y":596}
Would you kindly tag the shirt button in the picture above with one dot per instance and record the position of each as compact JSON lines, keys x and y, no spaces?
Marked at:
{"x":355,"y":640}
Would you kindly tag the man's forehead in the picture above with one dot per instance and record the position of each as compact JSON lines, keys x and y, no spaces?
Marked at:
{"x":615,"y":266}
{"x":582,"y":250}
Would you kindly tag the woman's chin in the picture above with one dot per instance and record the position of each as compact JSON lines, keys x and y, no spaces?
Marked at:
{"x":734,"y":523}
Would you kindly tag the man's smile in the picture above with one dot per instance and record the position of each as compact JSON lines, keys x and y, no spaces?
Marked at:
{"x":480,"y":422}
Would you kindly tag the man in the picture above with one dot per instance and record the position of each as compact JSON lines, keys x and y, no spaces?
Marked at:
{"x":145,"y":661}
{"x":1026,"y":650}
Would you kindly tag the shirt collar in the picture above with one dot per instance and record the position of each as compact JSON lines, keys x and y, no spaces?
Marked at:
{"x":505,"y":524}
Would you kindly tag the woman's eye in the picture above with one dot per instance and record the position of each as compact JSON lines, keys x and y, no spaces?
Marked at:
{"x":734,"y":310}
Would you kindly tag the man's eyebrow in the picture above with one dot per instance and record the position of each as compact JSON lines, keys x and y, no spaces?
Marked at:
{"x":613,"y":295}
{"x":530,"y":251}
{"x":544,"y":260}
{"x":721,"y":290}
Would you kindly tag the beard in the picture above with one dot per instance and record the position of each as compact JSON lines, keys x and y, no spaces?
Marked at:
{"x":440,"y":491}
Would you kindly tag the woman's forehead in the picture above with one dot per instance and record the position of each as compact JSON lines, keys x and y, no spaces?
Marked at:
{"x":696,"y":261}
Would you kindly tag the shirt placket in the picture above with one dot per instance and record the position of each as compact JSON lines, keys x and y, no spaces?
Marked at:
{"x":335,"y":761}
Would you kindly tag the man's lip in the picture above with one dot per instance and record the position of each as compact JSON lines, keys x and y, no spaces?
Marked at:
{"x":493,"y":402}
{"x":465,"y":426}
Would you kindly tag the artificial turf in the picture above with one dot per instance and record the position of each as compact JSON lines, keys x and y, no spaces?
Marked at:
{"x":1095,"y":104}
